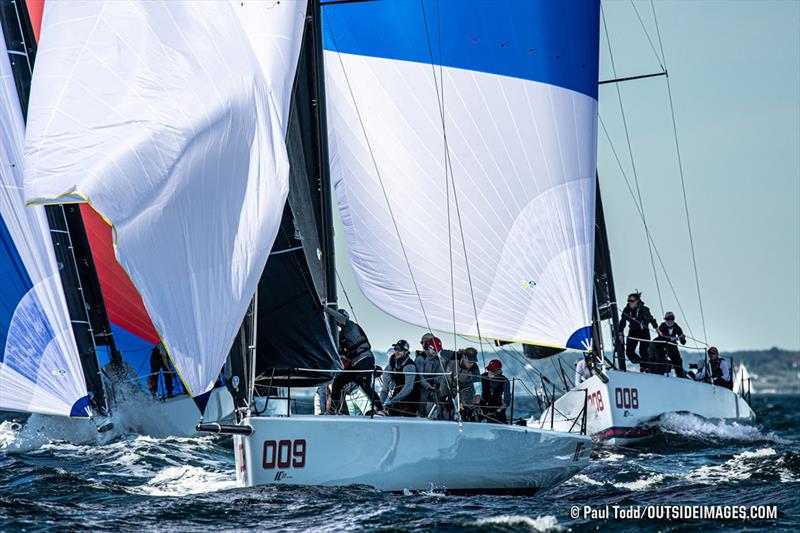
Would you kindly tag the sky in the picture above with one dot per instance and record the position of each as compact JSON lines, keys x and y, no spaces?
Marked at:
{"x":734,"y":70}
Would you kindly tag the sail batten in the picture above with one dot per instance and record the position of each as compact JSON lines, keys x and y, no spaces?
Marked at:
{"x":486,"y":110}
{"x":170,"y":123}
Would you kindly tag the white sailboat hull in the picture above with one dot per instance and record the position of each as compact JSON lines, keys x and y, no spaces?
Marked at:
{"x":622,"y":411}
{"x":171,"y":417}
{"x":397,"y":454}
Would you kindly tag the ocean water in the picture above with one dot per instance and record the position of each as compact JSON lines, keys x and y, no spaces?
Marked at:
{"x":113,"y":482}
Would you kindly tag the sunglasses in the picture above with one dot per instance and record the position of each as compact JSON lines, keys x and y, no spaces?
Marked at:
{"x":631,"y":301}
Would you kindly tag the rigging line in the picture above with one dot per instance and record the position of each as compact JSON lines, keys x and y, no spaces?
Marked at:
{"x":440,"y":101}
{"x":633,"y":165}
{"x":346,"y":297}
{"x":449,"y":166}
{"x":683,"y":182}
{"x":649,"y":40}
{"x":380,"y":178}
{"x":641,"y":215}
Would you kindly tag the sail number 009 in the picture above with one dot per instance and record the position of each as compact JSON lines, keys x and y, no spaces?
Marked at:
{"x":627,"y":398}
{"x":284,"y":454}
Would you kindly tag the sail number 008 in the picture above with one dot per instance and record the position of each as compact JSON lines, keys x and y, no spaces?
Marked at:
{"x":284,"y":454}
{"x":627,"y":398}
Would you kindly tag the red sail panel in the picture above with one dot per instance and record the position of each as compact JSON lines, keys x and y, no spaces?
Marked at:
{"x":123,"y":303}
{"x":35,"y":10}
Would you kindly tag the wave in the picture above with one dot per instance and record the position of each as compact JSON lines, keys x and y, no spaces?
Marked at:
{"x":39,"y":430}
{"x":186,"y":480}
{"x":540,"y":523}
{"x":702,"y":429}
{"x":762,"y":464}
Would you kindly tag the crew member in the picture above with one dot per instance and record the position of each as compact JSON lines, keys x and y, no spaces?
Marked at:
{"x":495,"y":393}
{"x":400,"y":392}
{"x":463,"y":373}
{"x":357,"y":358}
{"x":159,"y":364}
{"x":638,"y":317}
{"x":715,"y":370}
{"x":672,"y":333}
{"x":429,"y":372}
{"x":584,"y":368}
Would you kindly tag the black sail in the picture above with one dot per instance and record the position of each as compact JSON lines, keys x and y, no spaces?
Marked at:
{"x":605,"y":300}
{"x":294,"y":343}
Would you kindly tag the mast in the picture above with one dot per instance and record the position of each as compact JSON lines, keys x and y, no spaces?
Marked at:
{"x":326,"y":228}
{"x":605,"y":302}
{"x":76,"y":267}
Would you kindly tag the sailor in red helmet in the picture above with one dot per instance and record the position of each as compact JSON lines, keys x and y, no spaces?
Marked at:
{"x":495,"y":393}
{"x":428,"y":366}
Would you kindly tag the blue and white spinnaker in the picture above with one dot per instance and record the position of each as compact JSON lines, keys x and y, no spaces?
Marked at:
{"x":468,"y":128}
{"x":40,"y":370}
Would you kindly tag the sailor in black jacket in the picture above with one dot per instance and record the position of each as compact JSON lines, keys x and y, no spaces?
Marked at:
{"x":670,"y":332}
{"x":638,"y":317}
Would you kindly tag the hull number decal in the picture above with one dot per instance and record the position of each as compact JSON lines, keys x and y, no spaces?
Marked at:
{"x":627,"y":398}
{"x":284,"y":454}
{"x":596,"y":399}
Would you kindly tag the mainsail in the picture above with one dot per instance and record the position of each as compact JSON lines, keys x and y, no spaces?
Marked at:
{"x":164,"y":118}
{"x":463,"y":142}
{"x":40,"y":369}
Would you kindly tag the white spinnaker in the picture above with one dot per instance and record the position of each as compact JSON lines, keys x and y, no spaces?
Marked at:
{"x":160,"y":115}
{"x":523,"y":157}
{"x":40,"y":370}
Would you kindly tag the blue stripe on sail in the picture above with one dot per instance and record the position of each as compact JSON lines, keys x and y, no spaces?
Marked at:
{"x":548,"y":41}
{"x":14,"y":283}
{"x":581,"y":339}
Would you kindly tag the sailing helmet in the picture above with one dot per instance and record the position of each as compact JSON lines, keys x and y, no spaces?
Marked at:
{"x":493,"y":365}
{"x":669,"y":315}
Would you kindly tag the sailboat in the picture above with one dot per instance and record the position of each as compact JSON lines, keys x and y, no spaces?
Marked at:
{"x":622,"y":404}
{"x":462,"y":150}
{"x":91,"y":285}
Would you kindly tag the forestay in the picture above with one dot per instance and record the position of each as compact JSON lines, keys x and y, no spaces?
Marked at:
{"x":468,"y":128}
{"x":40,"y":370}
{"x":161,"y":116}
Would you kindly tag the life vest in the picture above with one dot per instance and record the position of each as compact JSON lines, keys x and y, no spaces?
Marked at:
{"x":716,"y":367}
{"x":410,"y":402}
{"x":352,"y":340}
{"x":492,"y":388}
